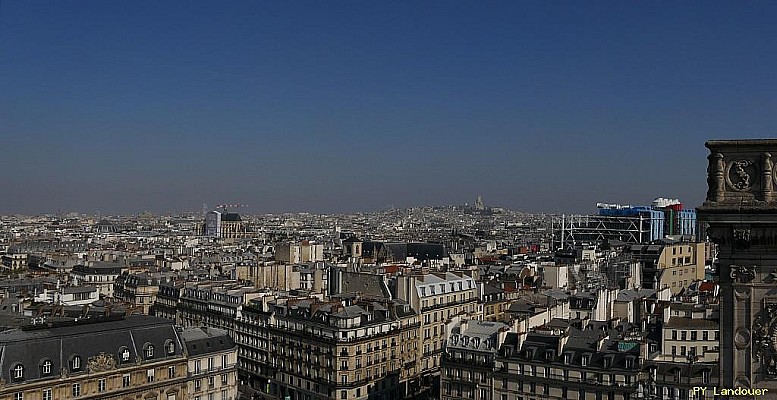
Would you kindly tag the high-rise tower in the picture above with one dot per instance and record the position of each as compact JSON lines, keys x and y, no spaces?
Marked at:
{"x":740,"y":215}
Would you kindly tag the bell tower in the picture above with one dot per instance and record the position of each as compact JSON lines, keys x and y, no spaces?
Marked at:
{"x":740,"y":216}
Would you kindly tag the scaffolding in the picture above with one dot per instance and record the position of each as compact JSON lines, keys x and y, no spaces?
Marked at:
{"x":573,"y":230}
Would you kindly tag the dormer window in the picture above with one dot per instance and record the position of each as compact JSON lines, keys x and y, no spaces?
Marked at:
{"x":629,"y":362}
{"x":170,"y":347}
{"x":549,"y":355}
{"x":45,"y":367}
{"x":18,"y":372}
{"x":125,"y":354}
{"x":149,"y":351}
{"x":584,"y":361}
{"x":567,"y":358}
{"x":75,"y":364}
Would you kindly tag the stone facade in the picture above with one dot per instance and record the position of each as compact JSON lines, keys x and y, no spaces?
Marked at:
{"x":740,"y":216}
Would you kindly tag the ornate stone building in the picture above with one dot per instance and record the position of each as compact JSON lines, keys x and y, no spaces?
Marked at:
{"x":139,"y":357}
{"x":740,"y":215}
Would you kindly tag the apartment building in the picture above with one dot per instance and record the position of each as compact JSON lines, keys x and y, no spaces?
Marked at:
{"x":344,"y":348}
{"x":97,"y":273}
{"x":140,"y":289}
{"x":437,"y":297}
{"x":212,"y":359}
{"x":670,"y":264}
{"x":599,"y":360}
{"x":468,"y":362}
{"x":683,"y":337}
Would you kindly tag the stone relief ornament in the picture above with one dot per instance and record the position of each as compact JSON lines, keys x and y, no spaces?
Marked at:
{"x":742,"y":338}
{"x":765,"y":338}
{"x":741,"y":237}
{"x":766,"y":177}
{"x":742,"y":381}
{"x":741,"y":174}
{"x":742,"y":295}
{"x":742,"y":273}
{"x":102,"y":362}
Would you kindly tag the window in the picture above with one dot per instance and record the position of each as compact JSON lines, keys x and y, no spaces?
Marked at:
{"x":46,"y":394}
{"x":18,"y":396}
{"x":125,"y":380}
{"x":18,"y":372}
{"x":674,"y":335}
{"x":585,"y":360}
{"x":224,"y":361}
{"x":76,"y":364}
{"x":197,"y":384}
{"x":101,"y":385}
{"x":171,"y":371}
{"x":211,"y":381}
{"x":150,"y":375}
{"x":170,"y":347}
{"x":150,"y":351}
{"x":125,"y":354}
{"x":76,"y":389}
{"x":343,"y":394}
{"x":224,"y":379}
{"x":45,"y":368}
{"x":705,"y":335}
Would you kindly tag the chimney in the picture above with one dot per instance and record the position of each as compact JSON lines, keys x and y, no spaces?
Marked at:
{"x":562,"y":342}
{"x":521,"y":339}
{"x":500,"y":337}
{"x":600,"y":342}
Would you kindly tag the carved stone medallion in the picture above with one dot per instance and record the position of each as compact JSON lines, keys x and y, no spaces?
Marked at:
{"x":742,"y":174}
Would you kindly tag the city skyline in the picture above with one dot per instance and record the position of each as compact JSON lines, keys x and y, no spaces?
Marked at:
{"x":326,"y":108}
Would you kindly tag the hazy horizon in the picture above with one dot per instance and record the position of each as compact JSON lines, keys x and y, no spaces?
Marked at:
{"x":125,"y":107}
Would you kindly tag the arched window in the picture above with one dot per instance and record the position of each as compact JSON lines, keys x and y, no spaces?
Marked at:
{"x":170,"y":346}
{"x":150,"y":351}
{"x":18,"y":372}
{"x":75,"y":365}
{"x":124,"y":354}
{"x":45,"y":367}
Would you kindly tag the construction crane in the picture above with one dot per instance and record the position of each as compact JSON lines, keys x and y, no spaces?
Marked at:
{"x":224,"y":207}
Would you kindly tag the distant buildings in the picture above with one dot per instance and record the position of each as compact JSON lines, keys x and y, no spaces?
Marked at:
{"x":629,"y":224}
{"x":224,"y":225}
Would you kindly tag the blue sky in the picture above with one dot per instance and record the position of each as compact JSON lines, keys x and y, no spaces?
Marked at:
{"x":351,"y":105}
